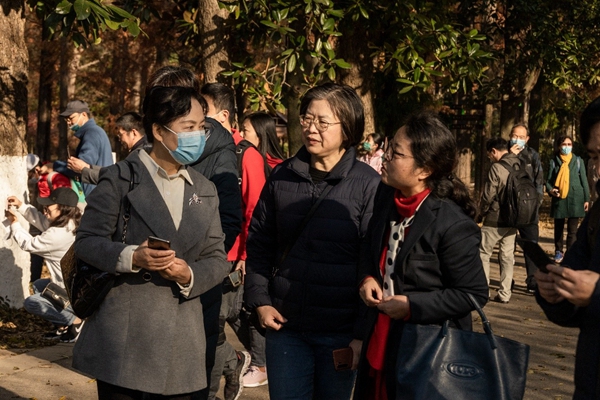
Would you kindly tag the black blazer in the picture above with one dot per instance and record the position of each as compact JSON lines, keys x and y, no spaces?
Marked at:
{"x":436,"y":267}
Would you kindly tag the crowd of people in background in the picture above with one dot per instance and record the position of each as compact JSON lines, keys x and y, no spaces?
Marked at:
{"x":334,"y":248}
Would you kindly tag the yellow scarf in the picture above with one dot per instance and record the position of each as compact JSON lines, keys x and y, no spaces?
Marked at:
{"x":562,"y":179}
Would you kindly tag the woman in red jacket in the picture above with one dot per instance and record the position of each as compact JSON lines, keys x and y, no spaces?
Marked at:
{"x":260,"y":154}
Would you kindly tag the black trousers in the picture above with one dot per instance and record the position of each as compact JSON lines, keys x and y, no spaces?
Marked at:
{"x":530,"y":232}
{"x":559,"y":228}
{"x":107,"y":391}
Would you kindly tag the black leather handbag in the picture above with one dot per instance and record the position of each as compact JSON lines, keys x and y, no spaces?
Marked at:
{"x":56,"y":295}
{"x":87,"y":285}
{"x":440,"y":362}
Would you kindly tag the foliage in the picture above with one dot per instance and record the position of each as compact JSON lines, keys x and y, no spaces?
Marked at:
{"x":20,"y":329}
{"x":82,"y":19}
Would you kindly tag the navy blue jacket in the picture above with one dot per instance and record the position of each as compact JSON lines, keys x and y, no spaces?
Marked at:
{"x":316,"y":287}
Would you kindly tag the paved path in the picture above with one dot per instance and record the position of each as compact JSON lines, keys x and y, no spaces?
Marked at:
{"x":45,"y":374}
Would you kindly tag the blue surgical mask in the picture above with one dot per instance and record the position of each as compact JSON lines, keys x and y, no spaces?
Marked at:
{"x":566,"y":150}
{"x":367,"y":146}
{"x":190,"y":146}
{"x":520,"y":142}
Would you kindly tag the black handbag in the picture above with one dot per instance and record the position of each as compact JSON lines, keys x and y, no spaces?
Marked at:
{"x":440,"y":362}
{"x":87,"y":285}
{"x":56,"y":295}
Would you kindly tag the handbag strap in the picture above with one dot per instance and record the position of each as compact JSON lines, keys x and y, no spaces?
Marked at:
{"x":126,"y":214}
{"x":301,"y":227}
{"x":487,"y":327}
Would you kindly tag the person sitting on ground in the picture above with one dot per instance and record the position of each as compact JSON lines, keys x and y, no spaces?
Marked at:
{"x":132,"y":137}
{"x":58,"y":224}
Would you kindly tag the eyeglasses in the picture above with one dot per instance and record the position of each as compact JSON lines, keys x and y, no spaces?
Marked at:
{"x":389,"y":152}
{"x":72,"y":117}
{"x":321,"y":126}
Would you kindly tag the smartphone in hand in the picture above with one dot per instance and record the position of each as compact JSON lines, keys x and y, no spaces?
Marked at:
{"x":342,"y":359}
{"x":158,"y":243}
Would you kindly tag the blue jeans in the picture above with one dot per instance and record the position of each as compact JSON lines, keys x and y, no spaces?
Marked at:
{"x":38,"y":305}
{"x":301,"y":366}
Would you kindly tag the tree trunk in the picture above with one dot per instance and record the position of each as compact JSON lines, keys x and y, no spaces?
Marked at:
{"x":292,"y":103}
{"x":65,"y":58}
{"x":44,"y":111}
{"x":211,"y":23}
{"x":486,"y":134}
{"x":14,"y":263}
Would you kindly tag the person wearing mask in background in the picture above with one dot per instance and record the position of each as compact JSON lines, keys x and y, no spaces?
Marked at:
{"x":310,"y":305}
{"x":519,"y":136}
{"x":570,"y":296}
{"x":131,"y":135}
{"x":218,"y":163}
{"x":568,"y":187}
{"x":420,"y":259}
{"x":494,"y":229}
{"x":146,"y":339}
{"x":221,"y":106}
{"x":374,"y":152}
{"x":94,"y":146}
{"x":58,"y":224}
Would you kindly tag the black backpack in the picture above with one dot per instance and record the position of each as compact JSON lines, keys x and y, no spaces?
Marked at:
{"x":240,"y":149}
{"x":520,"y":203}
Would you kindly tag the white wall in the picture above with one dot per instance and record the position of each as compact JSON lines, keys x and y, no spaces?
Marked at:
{"x":14,"y":263}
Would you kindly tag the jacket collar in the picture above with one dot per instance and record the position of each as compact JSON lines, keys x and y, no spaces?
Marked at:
{"x":300,"y":164}
{"x":220,"y":138}
{"x":90,"y":124}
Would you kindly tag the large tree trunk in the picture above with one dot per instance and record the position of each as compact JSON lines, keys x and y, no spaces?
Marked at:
{"x":14,"y":263}
{"x":63,"y":94}
{"x":44,"y":110}
{"x":292,"y":103}
{"x":211,"y":23}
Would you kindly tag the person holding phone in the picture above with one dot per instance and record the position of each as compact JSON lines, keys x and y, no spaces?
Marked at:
{"x":570,"y":294}
{"x":147,"y":337}
{"x":421,"y":257}
{"x":308,"y":302}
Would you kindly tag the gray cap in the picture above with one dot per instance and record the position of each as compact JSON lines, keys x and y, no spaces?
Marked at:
{"x":75,"y":106}
{"x":32,"y":161}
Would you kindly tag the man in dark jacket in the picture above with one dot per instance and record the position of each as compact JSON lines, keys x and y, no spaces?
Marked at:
{"x":570,"y":296}
{"x":519,"y":136}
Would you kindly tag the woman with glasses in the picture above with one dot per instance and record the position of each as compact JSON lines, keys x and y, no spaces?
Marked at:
{"x":302,"y":261}
{"x":58,"y":224}
{"x":421,"y":257}
{"x":147,"y":338}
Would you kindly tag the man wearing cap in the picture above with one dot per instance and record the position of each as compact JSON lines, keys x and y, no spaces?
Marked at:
{"x":132,"y":137}
{"x":94,"y":146}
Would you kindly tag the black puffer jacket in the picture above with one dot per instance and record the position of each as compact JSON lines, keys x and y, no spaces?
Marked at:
{"x":316,"y":287}
{"x":218,"y":164}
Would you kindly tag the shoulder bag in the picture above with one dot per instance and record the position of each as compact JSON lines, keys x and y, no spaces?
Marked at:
{"x":56,"y":295}
{"x":87,"y":285}
{"x":440,"y":362}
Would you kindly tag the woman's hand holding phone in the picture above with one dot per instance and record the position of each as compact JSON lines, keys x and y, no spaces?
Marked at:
{"x":152,"y":259}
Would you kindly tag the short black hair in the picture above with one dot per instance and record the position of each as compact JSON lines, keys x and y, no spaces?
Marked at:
{"x":521,"y":125}
{"x":346,"y":106}
{"x":130,"y":121}
{"x":589,"y":118}
{"x":222,"y":96}
{"x":164,"y":105}
{"x":496,"y":143}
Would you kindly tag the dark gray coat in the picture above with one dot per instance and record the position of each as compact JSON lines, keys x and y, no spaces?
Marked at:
{"x":145,"y":335}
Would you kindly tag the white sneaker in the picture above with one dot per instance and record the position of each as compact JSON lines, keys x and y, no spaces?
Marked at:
{"x":255,"y":377}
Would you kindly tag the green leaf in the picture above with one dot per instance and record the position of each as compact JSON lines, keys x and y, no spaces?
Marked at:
{"x":329,"y":24}
{"x":64,"y":7}
{"x":291,"y":63}
{"x":405,"y":89}
{"x":119,"y":11}
{"x":363,"y":12}
{"x":82,"y":9}
{"x":473,"y":32}
{"x":342,"y":63}
{"x":269,"y":24}
{"x":133,"y":28}
{"x":331,"y":74}
{"x":318,"y":45}
{"x":112,"y":25}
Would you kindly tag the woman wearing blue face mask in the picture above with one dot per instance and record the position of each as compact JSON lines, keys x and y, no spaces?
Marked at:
{"x":567,"y":185}
{"x":147,"y":339}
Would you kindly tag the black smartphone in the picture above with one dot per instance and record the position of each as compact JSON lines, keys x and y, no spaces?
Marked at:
{"x":536,"y":253}
{"x":158,"y":243}
{"x":235,"y":278}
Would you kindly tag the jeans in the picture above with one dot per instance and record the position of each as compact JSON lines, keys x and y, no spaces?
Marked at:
{"x":559,"y":228}
{"x":301,"y":366}
{"x":506,"y":255}
{"x":38,"y":305}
